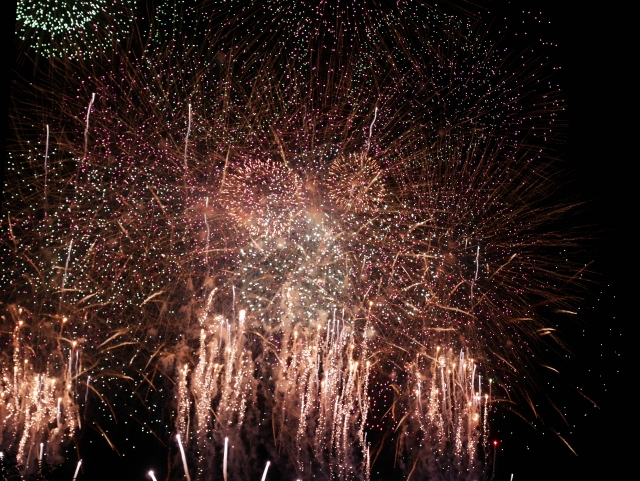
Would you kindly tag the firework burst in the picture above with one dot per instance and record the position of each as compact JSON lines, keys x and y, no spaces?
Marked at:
{"x":73,"y":29}
{"x":280,"y":226}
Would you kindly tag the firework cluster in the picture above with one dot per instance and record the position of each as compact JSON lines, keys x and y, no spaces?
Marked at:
{"x":320,"y":231}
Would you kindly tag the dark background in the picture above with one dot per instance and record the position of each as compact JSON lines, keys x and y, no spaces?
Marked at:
{"x":595,"y":75}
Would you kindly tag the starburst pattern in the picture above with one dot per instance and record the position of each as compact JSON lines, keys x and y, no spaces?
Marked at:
{"x":73,"y":29}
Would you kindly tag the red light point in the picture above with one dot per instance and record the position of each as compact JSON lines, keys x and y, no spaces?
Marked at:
{"x":495,"y":443}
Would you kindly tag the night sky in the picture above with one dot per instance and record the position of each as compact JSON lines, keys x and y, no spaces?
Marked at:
{"x":594,"y":72}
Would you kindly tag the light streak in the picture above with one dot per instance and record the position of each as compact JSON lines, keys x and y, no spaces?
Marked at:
{"x":184,"y":458}
{"x":266,"y":468}
{"x":375,"y":116}
{"x":66,"y":267}
{"x":493,"y":468}
{"x":86,"y":128}
{"x":224,"y":462}
{"x":46,"y":165}
{"x":186,"y":140}
{"x":75,"y":474}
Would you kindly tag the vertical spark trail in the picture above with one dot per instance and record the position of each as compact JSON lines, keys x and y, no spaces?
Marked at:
{"x":34,"y":407}
{"x":86,"y":395}
{"x":186,"y":140}
{"x":208,"y":235}
{"x":375,"y":115}
{"x":86,"y":128}
{"x":266,"y":468}
{"x":46,"y":166}
{"x":184,"y":458}
{"x":75,"y":474}
{"x":224,"y":462}
{"x":64,"y":278}
{"x":453,"y":413}
{"x":340,"y":395}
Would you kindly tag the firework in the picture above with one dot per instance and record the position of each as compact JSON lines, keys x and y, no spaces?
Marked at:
{"x":224,"y":463}
{"x":73,"y":29}
{"x":184,"y":458}
{"x":266,"y":468}
{"x":452,"y":412}
{"x":273,"y":228}
{"x":75,"y":474}
{"x":38,"y":405}
{"x":265,"y":197}
{"x":355,"y":183}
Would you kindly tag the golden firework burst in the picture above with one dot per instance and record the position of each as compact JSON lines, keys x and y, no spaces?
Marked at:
{"x":356,"y":183}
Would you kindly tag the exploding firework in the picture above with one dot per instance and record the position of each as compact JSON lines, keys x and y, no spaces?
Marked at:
{"x":298,"y":237}
{"x":354,"y":183}
{"x":264,"y":197}
{"x":73,"y":29}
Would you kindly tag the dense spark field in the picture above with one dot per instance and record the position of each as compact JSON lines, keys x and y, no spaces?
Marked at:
{"x":73,"y":29}
{"x":320,"y":231}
